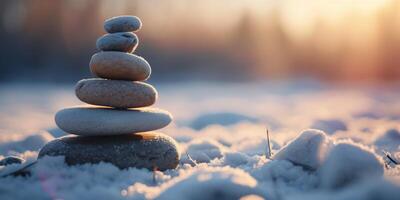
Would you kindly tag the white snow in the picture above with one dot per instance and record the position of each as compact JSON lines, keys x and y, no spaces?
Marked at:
{"x":230,"y":160}
{"x":30,"y":143}
{"x":389,"y":141}
{"x":307,"y":150}
{"x":374,"y":189}
{"x":211,"y":183}
{"x":223,"y":119}
{"x":204,"y":150}
{"x":348,"y":163}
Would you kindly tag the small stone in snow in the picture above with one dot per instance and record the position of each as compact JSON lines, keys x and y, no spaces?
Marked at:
{"x":11,"y":160}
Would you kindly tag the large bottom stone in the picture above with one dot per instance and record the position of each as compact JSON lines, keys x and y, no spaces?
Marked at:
{"x":141,"y":150}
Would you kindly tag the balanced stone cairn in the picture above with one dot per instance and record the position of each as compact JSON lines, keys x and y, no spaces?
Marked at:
{"x":117,"y":129}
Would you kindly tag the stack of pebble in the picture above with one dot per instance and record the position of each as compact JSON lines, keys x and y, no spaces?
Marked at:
{"x":116,"y":130}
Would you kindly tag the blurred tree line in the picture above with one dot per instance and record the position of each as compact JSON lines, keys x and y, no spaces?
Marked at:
{"x":53,"y":40}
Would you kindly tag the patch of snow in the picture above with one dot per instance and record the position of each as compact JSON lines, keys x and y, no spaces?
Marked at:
{"x":222,"y":153}
{"x":223,"y":119}
{"x":235,"y":159}
{"x":255,"y":147}
{"x":348,"y":163}
{"x":371,"y":189}
{"x":307,"y":150}
{"x":390,"y":141}
{"x":213,"y":184}
{"x":284,"y":176}
{"x":31,"y":143}
{"x":205,"y":150}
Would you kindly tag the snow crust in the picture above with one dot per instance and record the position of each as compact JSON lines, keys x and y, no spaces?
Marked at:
{"x":348,"y":163}
{"x":226,"y":161}
{"x":307,"y":150}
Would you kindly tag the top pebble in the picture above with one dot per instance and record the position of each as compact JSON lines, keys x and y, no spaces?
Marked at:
{"x":122,"y":24}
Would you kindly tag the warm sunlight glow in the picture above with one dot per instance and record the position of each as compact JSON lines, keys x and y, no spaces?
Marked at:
{"x":200,"y":99}
{"x":330,"y":39}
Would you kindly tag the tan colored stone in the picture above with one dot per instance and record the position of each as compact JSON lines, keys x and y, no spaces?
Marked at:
{"x":119,"y":66}
{"x":116,"y":93}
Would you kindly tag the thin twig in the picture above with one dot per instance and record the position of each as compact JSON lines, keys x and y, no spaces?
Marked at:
{"x":190,"y":158}
{"x":269,"y":155}
{"x":387,"y":154}
{"x":155,"y":168}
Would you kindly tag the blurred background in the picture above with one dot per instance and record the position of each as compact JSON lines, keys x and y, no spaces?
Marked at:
{"x":225,"y":40}
{"x":283,"y":64}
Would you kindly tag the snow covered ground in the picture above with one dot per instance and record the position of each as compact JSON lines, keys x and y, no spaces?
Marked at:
{"x":222,"y":127}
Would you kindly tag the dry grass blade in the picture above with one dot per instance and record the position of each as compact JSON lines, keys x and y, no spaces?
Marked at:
{"x":191,"y":159}
{"x":389,"y":157}
{"x":269,"y":153}
{"x":155,"y":168}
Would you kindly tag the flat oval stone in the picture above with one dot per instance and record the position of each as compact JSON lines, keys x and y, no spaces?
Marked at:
{"x":119,"y":66}
{"x":95,"y":121}
{"x":124,"y":42}
{"x":143,"y":150}
{"x":124,"y":23}
{"x":116,"y":93}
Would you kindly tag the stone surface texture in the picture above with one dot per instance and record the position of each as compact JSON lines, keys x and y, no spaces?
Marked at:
{"x":124,"y":42}
{"x":145,"y":150}
{"x":119,"y":66}
{"x":122,"y":23}
{"x":116,"y":93}
{"x":95,"y":121}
